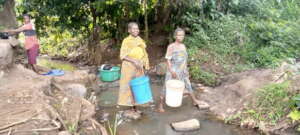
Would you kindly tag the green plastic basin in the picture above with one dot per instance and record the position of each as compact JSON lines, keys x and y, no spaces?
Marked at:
{"x":109,"y":75}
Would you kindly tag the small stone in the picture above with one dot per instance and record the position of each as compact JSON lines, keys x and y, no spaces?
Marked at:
{"x":104,"y":117}
{"x":188,"y":125}
{"x":132,"y":115}
{"x":203,"y":105}
{"x":1,"y":74}
{"x":77,"y":90}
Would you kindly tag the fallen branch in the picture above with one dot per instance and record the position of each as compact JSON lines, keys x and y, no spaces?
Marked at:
{"x":14,"y":112}
{"x":57,"y":124}
{"x":53,"y":111}
{"x":78,"y":116}
{"x":9,"y":131}
{"x":17,"y":123}
{"x":4,"y":131}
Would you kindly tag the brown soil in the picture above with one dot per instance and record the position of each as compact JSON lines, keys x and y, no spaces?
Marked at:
{"x":235,"y":90}
{"x":238,"y":89}
{"x":32,"y":103}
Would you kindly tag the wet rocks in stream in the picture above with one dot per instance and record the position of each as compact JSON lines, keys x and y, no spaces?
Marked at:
{"x":6,"y":54}
{"x":132,"y":115}
{"x":78,"y":90}
{"x":188,"y":125}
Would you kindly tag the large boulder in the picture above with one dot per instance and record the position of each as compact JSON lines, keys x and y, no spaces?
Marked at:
{"x":77,"y":90}
{"x":238,"y":88}
{"x":188,"y":125}
{"x":78,"y":76}
{"x":6,"y":55}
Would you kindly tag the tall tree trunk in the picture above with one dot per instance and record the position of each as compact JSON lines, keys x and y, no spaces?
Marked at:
{"x":8,"y":15}
{"x":94,"y":46}
{"x":146,"y":21}
{"x":163,"y":13}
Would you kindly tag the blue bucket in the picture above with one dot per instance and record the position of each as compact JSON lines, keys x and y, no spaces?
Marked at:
{"x":141,"y":90}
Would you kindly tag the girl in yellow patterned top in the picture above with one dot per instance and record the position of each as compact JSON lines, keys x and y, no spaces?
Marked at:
{"x":134,"y":60}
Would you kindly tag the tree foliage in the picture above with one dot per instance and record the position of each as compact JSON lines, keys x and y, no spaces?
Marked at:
{"x":1,"y":4}
{"x":258,"y":32}
{"x":241,"y":38}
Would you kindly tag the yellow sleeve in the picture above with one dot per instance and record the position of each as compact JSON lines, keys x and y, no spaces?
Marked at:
{"x":124,"y":49}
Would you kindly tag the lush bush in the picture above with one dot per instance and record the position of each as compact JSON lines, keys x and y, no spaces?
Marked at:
{"x":207,"y":78}
{"x":271,"y":41}
{"x":271,"y":104}
{"x":1,"y":4}
{"x":295,"y":113}
{"x":218,"y":44}
{"x":253,"y":34}
{"x":55,"y":43}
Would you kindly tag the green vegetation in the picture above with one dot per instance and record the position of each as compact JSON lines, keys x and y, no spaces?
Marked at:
{"x":59,"y":44}
{"x":91,"y":21}
{"x":248,"y":33}
{"x":296,"y":99}
{"x":72,"y":128}
{"x":207,"y":77}
{"x":1,"y":4}
{"x":113,"y":127}
{"x":55,"y":65}
{"x":294,"y":115}
{"x":222,"y":36}
{"x":272,"y":103}
{"x":1,"y":27}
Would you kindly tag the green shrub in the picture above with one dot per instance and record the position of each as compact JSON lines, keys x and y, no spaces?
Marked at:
{"x":57,"y":43}
{"x":294,"y":115}
{"x":296,"y":100}
{"x":271,"y":104}
{"x":258,"y":39}
{"x":207,"y":78}
{"x":1,"y":4}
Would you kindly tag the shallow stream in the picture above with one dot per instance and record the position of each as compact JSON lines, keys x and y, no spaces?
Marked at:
{"x":154,"y":123}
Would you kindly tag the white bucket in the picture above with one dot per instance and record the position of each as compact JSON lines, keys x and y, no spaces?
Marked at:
{"x":174,"y":92}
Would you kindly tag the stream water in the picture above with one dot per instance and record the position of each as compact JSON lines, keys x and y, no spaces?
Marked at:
{"x":154,"y":123}
{"x":151,"y":122}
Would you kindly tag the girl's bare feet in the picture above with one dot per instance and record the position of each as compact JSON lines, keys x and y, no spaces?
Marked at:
{"x":160,"y":108}
{"x":200,"y":104}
